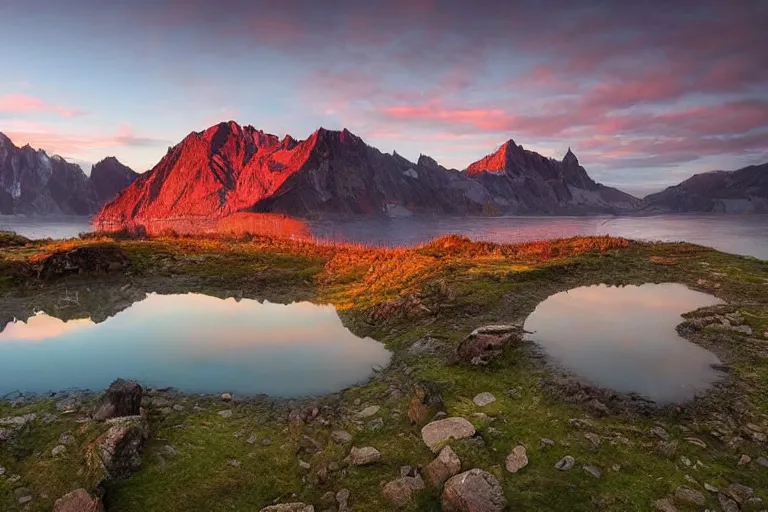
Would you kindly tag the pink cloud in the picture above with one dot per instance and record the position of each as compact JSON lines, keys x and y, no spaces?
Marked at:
{"x":21,"y":103}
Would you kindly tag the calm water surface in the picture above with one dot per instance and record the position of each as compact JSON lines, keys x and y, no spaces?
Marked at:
{"x":624,"y":338}
{"x":192,"y":342}
{"x":746,"y":235}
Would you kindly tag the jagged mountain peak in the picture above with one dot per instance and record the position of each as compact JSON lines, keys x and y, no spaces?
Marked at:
{"x":570,"y":158}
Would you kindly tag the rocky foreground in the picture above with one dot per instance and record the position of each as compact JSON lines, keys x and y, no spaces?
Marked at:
{"x":468,"y":417}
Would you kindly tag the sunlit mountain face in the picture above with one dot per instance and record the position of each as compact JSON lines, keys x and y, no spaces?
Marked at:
{"x":194,"y":342}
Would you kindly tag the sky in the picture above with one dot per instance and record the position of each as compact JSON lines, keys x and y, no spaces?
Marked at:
{"x":645,"y":94}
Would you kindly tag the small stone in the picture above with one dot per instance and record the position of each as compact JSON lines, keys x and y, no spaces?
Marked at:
{"x":686,"y":461}
{"x":744,"y":460}
{"x":289,"y":507}
{"x":473,"y":491}
{"x":376,"y":424}
{"x":593,"y":438}
{"x":362,"y":456}
{"x":342,"y":500}
{"x":763,"y":462}
{"x":341,"y":436}
{"x":400,"y":491}
{"x":727,"y":504}
{"x":226,"y":397}
{"x":690,"y":496}
{"x":660,"y":433}
{"x":368,"y":412}
{"x":227,"y":413}
{"x":483,"y":399}
{"x":695,"y":441}
{"x":251,"y":440}
{"x":329,"y":498}
{"x":664,"y":505}
{"x":710,"y":488}
{"x":22,"y":495}
{"x":58,"y":450}
{"x":689,"y":478}
{"x":593,"y":470}
{"x":66,"y":439}
{"x":565,"y":463}
{"x":547,"y":442}
{"x":446,"y":465}
{"x":178,"y":407}
{"x":234,"y":463}
{"x":407,"y":471}
{"x":438,"y":432}
{"x":616,"y":468}
{"x":517,"y":459}
{"x":357,"y":401}
{"x":266,"y":442}
{"x":304,"y":465}
{"x":740,"y":493}
{"x":2,"y":471}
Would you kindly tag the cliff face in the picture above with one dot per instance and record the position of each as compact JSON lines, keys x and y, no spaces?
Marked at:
{"x":108,"y":178}
{"x":229,"y":168}
{"x":741,"y":191}
{"x":33,"y":183}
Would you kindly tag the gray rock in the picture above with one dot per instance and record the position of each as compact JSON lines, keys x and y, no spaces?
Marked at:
{"x":117,"y":452}
{"x":664,"y":505}
{"x":304,"y":465}
{"x":341,"y":436}
{"x":446,"y":465}
{"x":695,"y":441}
{"x":289,"y":507}
{"x":342,"y":500}
{"x":67,"y":405}
{"x":376,"y":424}
{"x":740,"y":493}
{"x":226,"y":413}
{"x":594,"y":471}
{"x":727,"y":504}
{"x":66,"y":439}
{"x":78,"y":501}
{"x":744,"y":460}
{"x":565,"y":463}
{"x":122,"y":398}
{"x":59,"y":449}
{"x":226,"y":397}
{"x":547,"y":442}
{"x":266,"y":442}
{"x":689,"y":496}
{"x":593,"y":438}
{"x":483,"y":399}
{"x":251,"y":440}
{"x":710,"y":488}
{"x":473,"y":491}
{"x":763,"y":461}
{"x":22,"y":495}
{"x":660,"y":433}
{"x":368,"y":412}
{"x":2,"y":471}
{"x":400,"y":491}
{"x":437,"y":432}
{"x":362,"y":456}
{"x":517,"y":459}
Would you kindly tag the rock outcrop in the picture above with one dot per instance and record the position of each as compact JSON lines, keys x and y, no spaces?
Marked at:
{"x":34,"y":183}
{"x":473,"y":491}
{"x":741,"y":191}
{"x":117,"y":452}
{"x":122,"y":398}
{"x":230,"y":168}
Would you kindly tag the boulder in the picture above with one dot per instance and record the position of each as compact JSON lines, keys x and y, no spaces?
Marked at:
{"x":486,"y":343}
{"x":440,"y":431}
{"x":85,"y":260}
{"x":424,"y":405}
{"x":78,"y":501}
{"x":517,"y":459}
{"x":446,"y":465}
{"x":690,"y":496}
{"x":483,"y":399}
{"x":400,"y":491}
{"x":122,"y":398}
{"x":117,"y":452}
{"x":362,"y":456}
{"x":473,"y":491}
{"x":565,"y":463}
{"x":341,"y":436}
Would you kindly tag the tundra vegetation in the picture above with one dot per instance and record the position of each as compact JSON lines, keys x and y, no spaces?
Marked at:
{"x":529,"y":436}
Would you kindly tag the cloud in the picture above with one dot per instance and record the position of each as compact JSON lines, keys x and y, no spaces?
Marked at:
{"x":21,"y":103}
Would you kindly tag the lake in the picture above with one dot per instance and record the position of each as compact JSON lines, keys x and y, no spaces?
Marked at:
{"x":195,"y":343}
{"x":624,"y":338}
{"x":746,"y":235}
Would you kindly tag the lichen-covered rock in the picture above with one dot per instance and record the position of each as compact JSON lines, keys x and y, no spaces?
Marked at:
{"x":400,"y":491}
{"x":78,"y":501}
{"x":473,"y":491}
{"x":440,"y":431}
{"x":122,"y":398}
{"x":446,"y":465}
{"x":117,"y":452}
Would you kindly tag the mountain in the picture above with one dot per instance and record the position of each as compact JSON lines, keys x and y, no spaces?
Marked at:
{"x":741,"y":191}
{"x":33,"y":183}
{"x":526,"y":182}
{"x":229,"y":168}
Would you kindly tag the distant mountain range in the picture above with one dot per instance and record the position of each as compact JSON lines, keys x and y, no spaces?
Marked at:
{"x":230,"y":168}
{"x":33,"y":183}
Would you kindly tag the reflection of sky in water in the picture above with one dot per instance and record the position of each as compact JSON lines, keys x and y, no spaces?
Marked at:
{"x":194,"y":342}
{"x":624,"y":338}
